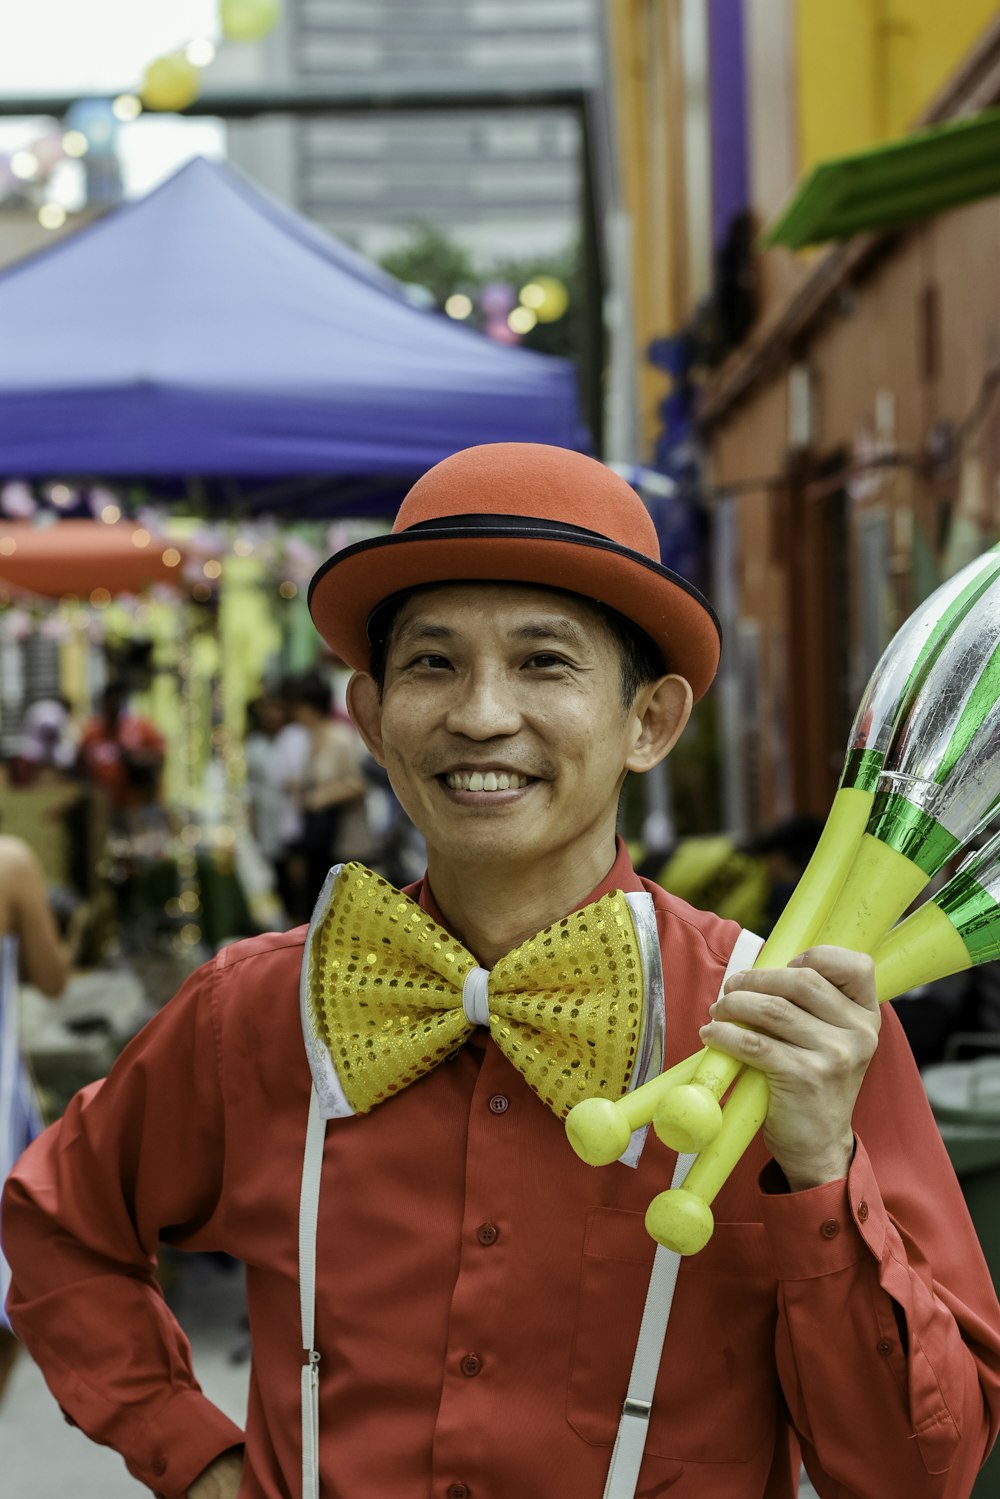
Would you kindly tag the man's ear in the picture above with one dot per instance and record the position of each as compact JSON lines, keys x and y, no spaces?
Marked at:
{"x":658,"y":717}
{"x":365,"y":707}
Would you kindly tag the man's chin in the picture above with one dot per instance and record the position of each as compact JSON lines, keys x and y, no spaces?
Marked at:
{"x":484,"y":844}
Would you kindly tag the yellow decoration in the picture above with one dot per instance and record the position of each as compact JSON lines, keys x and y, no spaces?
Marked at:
{"x":547,"y":298}
{"x":385,"y":983}
{"x":248,"y":20}
{"x":170,"y":83}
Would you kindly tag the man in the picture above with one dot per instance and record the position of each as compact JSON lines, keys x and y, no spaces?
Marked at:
{"x":444,"y":1301}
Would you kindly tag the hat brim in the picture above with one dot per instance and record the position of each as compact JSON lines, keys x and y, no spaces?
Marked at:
{"x":349,"y":587}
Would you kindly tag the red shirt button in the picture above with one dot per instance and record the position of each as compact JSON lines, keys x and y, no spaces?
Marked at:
{"x":487,"y":1234}
{"x":458,"y":1491}
{"x":884,"y":1347}
{"x":830,"y":1229}
{"x":862,"y":1211}
{"x":499,"y":1104}
{"x":471,"y":1365}
{"x":158,"y":1466}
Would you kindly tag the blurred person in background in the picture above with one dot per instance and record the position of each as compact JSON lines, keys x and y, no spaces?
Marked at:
{"x":266,"y":716}
{"x":287,"y":768}
{"x":123,"y":754}
{"x":748,"y":880}
{"x":30,"y":947}
{"x":331,"y":793}
{"x":47,"y":751}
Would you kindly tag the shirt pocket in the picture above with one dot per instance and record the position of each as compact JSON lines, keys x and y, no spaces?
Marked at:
{"x":717,"y":1388}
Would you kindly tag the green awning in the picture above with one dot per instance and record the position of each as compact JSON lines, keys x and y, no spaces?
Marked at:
{"x":933,"y":169}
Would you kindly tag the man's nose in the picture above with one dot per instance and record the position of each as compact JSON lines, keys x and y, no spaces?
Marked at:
{"x":484,"y":706}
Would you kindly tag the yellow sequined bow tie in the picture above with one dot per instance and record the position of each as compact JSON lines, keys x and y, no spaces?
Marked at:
{"x":389,"y":994}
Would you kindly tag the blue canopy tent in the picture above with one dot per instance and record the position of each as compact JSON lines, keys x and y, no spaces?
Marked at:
{"x":208,"y":331}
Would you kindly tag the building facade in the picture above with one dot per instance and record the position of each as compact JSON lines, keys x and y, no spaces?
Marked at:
{"x":501,"y":182}
{"x":852,"y":449}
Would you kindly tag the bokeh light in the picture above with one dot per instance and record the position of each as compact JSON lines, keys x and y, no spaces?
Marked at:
{"x":170,"y":83}
{"x":547,"y":298}
{"x":24,"y":165}
{"x":126,"y":107}
{"x":522,"y":320}
{"x":458,"y":305}
{"x":248,"y":20}
{"x":75,"y":143}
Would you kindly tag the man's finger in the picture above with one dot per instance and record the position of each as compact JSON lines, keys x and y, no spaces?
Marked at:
{"x":817,"y":980}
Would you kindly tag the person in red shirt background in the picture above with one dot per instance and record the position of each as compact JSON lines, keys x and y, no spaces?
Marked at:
{"x":461,"y":1316}
{"x":122,"y":753}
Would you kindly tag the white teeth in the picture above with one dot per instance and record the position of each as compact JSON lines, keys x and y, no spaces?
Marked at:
{"x":491,"y":780}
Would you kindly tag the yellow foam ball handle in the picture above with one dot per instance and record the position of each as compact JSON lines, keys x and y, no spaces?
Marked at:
{"x":689,"y":1118}
{"x":681,"y":1219}
{"x":599,"y":1128}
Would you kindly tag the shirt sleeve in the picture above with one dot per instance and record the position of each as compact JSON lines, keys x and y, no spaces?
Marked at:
{"x":888,"y":1333}
{"x":135,"y":1158}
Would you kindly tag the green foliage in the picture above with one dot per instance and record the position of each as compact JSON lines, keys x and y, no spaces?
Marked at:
{"x":432,"y":259}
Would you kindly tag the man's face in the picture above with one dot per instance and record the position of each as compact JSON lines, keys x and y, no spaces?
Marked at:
{"x":501,"y":723}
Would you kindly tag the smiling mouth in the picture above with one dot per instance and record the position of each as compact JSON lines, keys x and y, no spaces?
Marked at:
{"x":490,"y":780}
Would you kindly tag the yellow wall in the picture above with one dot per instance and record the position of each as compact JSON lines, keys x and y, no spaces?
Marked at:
{"x":866,"y":69}
{"x":639,"y":69}
{"x":862,"y":72}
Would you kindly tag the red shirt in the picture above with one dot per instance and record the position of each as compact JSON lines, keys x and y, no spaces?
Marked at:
{"x":480,"y":1289}
{"x":106,"y":755}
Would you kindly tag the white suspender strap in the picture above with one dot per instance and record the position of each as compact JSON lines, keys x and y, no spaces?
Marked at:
{"x":312,"y":1169}
{"x":630,"y":1443}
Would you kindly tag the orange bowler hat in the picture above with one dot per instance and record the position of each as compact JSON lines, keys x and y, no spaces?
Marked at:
{"x":521,"y":512}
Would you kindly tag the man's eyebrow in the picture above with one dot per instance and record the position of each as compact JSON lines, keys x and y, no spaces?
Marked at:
{"x":422,"y":629}
{"x":565,"y":630}
{"x":558,"y":628}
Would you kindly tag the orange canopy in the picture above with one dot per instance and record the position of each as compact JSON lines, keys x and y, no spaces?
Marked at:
{"x":78,"y":556}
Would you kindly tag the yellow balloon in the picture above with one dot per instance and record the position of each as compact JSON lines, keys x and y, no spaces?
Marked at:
{"x":248,"y":20}
{"x":547,"y":297}
{"x":171,"y":82}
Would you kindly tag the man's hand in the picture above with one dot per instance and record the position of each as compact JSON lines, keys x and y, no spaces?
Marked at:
{"x":815,"y":1027}
{"x":221,"y":1479}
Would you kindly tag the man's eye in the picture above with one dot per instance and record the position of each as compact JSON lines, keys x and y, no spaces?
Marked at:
{"x":544,"y":659}
{"x":428,"y":658}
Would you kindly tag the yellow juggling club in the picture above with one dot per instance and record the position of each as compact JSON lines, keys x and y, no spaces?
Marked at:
{"x":939,"y":784}
{"x":874,"y":882}
{"x":958,"y":928}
